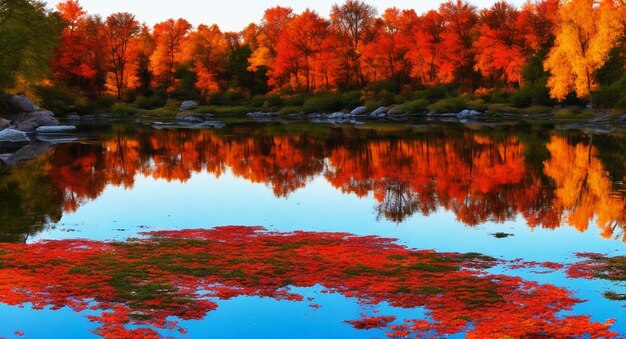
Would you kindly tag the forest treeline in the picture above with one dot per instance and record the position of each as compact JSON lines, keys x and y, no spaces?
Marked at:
{"x":545,"y":52}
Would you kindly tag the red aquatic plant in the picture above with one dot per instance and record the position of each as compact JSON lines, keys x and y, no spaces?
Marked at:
{"x":168,"y":275}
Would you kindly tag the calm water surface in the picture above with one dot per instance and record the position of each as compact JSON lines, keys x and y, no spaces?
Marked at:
{"x":326,"y":198}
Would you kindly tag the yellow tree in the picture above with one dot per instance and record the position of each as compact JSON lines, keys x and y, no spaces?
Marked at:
{"x":585,"y":33}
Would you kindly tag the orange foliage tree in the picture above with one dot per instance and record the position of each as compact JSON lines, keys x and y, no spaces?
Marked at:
{"x":169,"y":37}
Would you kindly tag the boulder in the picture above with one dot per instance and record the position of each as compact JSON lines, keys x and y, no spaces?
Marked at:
{"x":73,"y":116}
{"x":190,"y":117}
{"x":188,"y":105}
{"x":622,"y":118}
{"x":55,"y":129}
{"x":380,"y":112}
{"x":29,"y":122}
{"x":337,"y":115}
{"x":28,"y":152}
{"x":468,"y":113}
{"x":12,"y":136}
{"x":4,"y":123}
{"x":359,"y":111}
{"x":22,"y":103}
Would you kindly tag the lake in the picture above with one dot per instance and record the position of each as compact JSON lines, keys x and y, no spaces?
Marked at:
{"x":317,"y":230}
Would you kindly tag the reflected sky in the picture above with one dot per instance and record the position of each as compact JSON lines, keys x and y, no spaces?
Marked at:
{"x":448,"y":188}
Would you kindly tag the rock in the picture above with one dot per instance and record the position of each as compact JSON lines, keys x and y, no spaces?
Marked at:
{"x":468,"y":113}
{"x":22,"y":103}
{"x":28,"y":152}
{"x":55,"y":129}
{"x":622,"y":118}
{"x":337,"y":115}
{"x":208,"y":115}
{"x":190,"y":117}
{"x":359,"y":111}
{"x":4,"y":123}
{"x":13,"y":136}
{"x":188,"y":105}
{"x":72,"y":116}
{"x":602,"y":118}
{"x":57,"y":138}
{"x":28,"y":122}
{"x":380,"y":112}
{"x":261,"y":114}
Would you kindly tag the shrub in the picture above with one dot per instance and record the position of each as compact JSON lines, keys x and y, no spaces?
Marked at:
{"x":257,"y":101}
{"x":274,"y":100}
{"x":294,"y":100}
{"x":351,"y":100}
{"x":451,"y":105}
{"x":322,"y":103}
{"x":123,"y":110}
{"x":413,"y":106}
{"x":521,"y":98}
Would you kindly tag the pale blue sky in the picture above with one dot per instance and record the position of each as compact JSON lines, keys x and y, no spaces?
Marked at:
{"x":234,"y":15}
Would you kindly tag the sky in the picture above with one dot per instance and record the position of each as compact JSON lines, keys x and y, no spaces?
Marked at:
{"x":234,"y":15}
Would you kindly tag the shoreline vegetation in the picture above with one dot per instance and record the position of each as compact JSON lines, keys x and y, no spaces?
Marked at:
{"x":501,"y":61}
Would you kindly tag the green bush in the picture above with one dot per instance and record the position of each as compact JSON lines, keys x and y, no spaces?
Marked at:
{"x":274,"y":100}
{"x":294,"y":100}
{"x":413,"y":106}
{"x":257,"y":101}
{"x":123,"y":110}
{"x":451,"y":105}
{"x":351,"y":100}
{"x":477,"y":105}
{"x":521,"y":99}
{"x":322,"y":103}
{"x":156,"y":100}
{"x":611,"y":96}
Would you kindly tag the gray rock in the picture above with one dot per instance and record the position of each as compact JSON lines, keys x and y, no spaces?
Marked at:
{"x":55,"y":129}
{"x":208,"y":115}
{"x":29,"y":122}
{"x":188,"y":105}
{"x":28,"y":152}
{"x":359,"y":111}
{"x":189,"y":117}
{"x":4,"y":123}
{"x":13,"y":136}
{"x":380,"y":112}
{"x":57,"y":138}
{"x":337,"y":115}
{"x":22,"y":103}
{"x":72,"y":116}
{"x":261,"y":114}
{"x":468,"y":113}
{"x":622,"y":118}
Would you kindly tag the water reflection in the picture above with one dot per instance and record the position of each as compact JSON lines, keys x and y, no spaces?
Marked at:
{"x":153,"y":282}
{"x":481,"y":175}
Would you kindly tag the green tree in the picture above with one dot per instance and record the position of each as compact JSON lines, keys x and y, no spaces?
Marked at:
{"x":28,"y":36}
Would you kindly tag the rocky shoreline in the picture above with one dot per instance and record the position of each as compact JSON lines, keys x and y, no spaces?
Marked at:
{"x":32,"y":130}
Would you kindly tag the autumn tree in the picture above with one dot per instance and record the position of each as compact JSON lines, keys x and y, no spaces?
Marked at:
{"x":460,"y":20}
{"x":206,"y":51}
{"x":143,"y":46}
{"x":169,"y":37}
{"x":385,"y":55}
{"x":297,"y":50}
{"x":586,"y":32}
{"x":120,"y":29}
{"x":426,"y":50}
{"x":500,"y":49}
{"x":274,"y":22}
{"x":354,"y":23}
